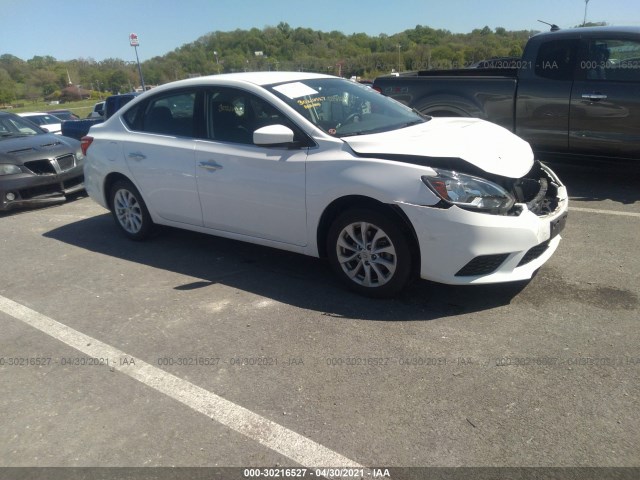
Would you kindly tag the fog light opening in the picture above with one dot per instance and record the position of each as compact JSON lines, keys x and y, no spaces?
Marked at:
{"x":10,"y":196}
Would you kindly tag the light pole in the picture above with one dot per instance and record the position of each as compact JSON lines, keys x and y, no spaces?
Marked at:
{"x":133,"y":41}
{"x":584,"y":22}
{"x":215,"y":54}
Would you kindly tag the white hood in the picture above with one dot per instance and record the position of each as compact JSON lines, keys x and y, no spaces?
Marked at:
{"x":485,"y":145}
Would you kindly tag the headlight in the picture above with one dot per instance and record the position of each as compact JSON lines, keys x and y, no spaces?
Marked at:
{"x":8,"y":169}
{"x":79,"y":156}
{"x":472,"y":193}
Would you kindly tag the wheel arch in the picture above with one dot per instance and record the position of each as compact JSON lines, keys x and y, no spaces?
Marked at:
{"x":109,"y":181}
{"x":448,"y":106}
{"x":342,"y":204}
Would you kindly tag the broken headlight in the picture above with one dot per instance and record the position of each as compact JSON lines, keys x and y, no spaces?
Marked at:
{"x":469,"y":192}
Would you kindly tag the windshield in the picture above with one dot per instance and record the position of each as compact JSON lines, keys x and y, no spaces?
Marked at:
{"x":344,"y":108}
{"x":14,"y":126}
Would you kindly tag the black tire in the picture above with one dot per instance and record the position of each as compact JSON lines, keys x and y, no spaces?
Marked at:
{"x":376,"y":264}
{"x":129,"y":210}
{"x":448,"y":106}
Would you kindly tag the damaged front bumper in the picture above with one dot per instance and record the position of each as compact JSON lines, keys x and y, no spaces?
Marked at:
{"x":462,"y":247}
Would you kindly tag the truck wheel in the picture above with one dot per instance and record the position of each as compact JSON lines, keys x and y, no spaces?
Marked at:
{"x":447,"y":106}
{"x":129,"y":210}
{"x":369,"y":253}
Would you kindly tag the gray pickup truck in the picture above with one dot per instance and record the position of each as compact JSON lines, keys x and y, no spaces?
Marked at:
{"x":574,"y":92}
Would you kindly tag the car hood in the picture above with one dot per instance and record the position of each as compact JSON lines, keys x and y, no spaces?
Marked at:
{"x":484,"y":145}
{"x":17,"y":150}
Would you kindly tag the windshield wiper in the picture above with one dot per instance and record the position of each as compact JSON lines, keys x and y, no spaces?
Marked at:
{"x":353,"y":134}
{"x":415,"y":122}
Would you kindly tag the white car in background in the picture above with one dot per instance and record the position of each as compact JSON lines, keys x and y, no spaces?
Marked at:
{"x":98,"y":110}
{"x":326,"y":167}
{"x":50,"y":123}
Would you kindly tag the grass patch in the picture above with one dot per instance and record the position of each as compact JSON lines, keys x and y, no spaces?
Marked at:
{"x":82,"y":108}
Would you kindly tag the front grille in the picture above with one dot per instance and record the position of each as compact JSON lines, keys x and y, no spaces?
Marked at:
{"x":534,"y":253}
{"x":40,"y":167}
{"x":482,"y":265}
{"x":538,"y":190}
{"x":66,"y":162}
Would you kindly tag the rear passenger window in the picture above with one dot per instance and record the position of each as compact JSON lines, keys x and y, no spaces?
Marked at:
{"x":556,"y":59}
{"x":170,"y":115}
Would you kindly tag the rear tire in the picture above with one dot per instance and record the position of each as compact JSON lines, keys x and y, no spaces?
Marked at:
{"x":369,"y":253}
{"x":129,"y":210}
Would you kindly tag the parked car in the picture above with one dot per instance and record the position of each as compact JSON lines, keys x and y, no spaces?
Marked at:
{"x":98,"y":111}
{"x":44,"y":120}
{"x":64,"y":115}
{"x":573,"y":94}
{"x":326,"y":167}
{"x":36,"y":167}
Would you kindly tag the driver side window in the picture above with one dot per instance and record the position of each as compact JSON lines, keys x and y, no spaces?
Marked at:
{"x":233,"y":115}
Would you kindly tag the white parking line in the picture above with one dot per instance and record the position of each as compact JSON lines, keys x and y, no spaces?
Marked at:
{"x":606,"y":212}
{"x":272,"y":435}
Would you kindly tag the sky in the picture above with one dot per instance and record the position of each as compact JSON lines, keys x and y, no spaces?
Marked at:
{"x":99,"y":29}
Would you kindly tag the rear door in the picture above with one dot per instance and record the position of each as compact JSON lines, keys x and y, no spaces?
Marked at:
{"x":605,"y":103}
{"x":160,"y":152}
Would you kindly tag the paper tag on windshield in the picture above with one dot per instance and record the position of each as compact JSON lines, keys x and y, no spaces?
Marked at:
{"x":295,"y":90}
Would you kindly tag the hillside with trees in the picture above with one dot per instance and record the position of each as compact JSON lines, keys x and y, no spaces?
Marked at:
{"x":272,"y":48}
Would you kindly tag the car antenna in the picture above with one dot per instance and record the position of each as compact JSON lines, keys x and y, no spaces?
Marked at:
{"x":554,"y":27}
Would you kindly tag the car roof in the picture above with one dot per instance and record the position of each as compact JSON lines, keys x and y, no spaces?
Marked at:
{"x":255,"y":78}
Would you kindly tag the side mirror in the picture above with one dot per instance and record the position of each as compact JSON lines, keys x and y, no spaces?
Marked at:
{"x":273,"y":135}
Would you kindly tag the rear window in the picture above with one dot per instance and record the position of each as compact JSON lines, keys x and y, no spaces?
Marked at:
{"x":170,"y":114}
{"x":556,"y":59}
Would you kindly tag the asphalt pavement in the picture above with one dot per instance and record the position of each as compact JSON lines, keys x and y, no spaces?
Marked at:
{"x":195,"y":351}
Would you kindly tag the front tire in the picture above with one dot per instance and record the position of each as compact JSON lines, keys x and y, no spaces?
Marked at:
{"x":369,"y":253}
{"x":129,"y":210}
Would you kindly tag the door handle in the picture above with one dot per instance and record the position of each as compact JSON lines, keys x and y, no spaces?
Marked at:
{"x":594,"y":96}
{"x":210,"y":165}
{"x":136,"y":156}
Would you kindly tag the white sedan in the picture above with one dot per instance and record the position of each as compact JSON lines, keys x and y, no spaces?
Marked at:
{"x":50,"y":123}
{"x":326,"y":167}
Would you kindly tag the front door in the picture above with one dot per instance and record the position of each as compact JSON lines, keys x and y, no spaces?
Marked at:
{"x":244,"y":188}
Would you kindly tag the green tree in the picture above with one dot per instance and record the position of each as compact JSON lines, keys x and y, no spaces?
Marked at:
{"x":7,"y":87}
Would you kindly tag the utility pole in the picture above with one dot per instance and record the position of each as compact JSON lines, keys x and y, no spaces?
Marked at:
{"x":584,"y":22}
{"x":215,"y":54}
{"x":133,"y":41}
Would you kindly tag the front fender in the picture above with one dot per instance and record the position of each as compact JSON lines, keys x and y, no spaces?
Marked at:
{"x":381,"y":181}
